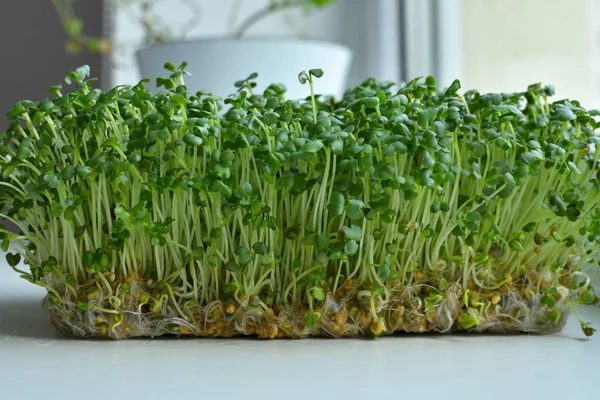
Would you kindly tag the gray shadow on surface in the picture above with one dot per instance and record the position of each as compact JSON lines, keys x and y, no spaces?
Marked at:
{"x":25,"y":318}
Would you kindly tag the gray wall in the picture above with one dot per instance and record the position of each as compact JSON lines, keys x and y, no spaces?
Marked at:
{"x":32,"y":56}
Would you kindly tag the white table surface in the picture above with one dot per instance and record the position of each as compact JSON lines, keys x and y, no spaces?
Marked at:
{"x":38,"y":363}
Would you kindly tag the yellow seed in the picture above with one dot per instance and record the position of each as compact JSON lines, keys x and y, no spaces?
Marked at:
{"x":495,"y":299}
{"x":103,"y":329}
{"x":272,"y":331}
{"x":230,"y":309}
{"x":378,"y":327}
{"x":585,"y":151}
{"x":420,"y":275}
{"x":365,"y":318}
{"x":100,"y":319}
{"x":281,"y":334}
{"x":216,"y":313}
{"x":94,"y":295}
{"x":185,"y":331}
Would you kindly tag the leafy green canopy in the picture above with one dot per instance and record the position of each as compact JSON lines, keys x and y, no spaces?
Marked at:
{"x":285,"y":200}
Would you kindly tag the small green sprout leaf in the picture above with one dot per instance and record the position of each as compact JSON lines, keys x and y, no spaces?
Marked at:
{"x":481,"y":258}
{"x":312,"y":319}
{"x":476,"y":170}
{"x":336,"y":204}
{"x":318,"y":293}
{"x":243,"y":191}
{"x":587,"y":330}
{"x":317,"y":73}
{"x":52,"y":180}
{"x":312,"y":146}
{"x":83,"y":171}
{"x":259,"y":248}
{"x":122,"y":213}
{"x":232,"y":266}
{"x":192,"y":140}
{"x":554,"y":316}
{"x":83,"y":72}
{"x":352,"y":233}
{"x":351,"y":247}
{"x":467,"y":321}
{"x":564,"y":113}
{"x":548,"y":301}
{"x":244,"y":255}
{"x":574,"y":168}
{"x":23,"y":153}
{"x":354,"y":212}
{"x":588,"y":298}
{"x":198,"y":253}
{"x":221,"y":187}
{"x":384,"y":269}
{"x":13,"y":259}
{"x":321,"y":241}
{"x":169,"y":67}
{"x":515,"y":245}
{"x":303,"y":77}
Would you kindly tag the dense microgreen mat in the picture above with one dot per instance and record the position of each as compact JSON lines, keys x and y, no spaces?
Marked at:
{"x":395,"y":208}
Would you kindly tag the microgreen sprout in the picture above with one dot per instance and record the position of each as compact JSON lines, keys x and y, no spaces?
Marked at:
{"x":403,"y":208}
{"x":303,"y":78}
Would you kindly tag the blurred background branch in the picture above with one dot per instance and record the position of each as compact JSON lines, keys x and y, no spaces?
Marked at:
{"x":73,"y":26}
{"x":157,"y":30}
